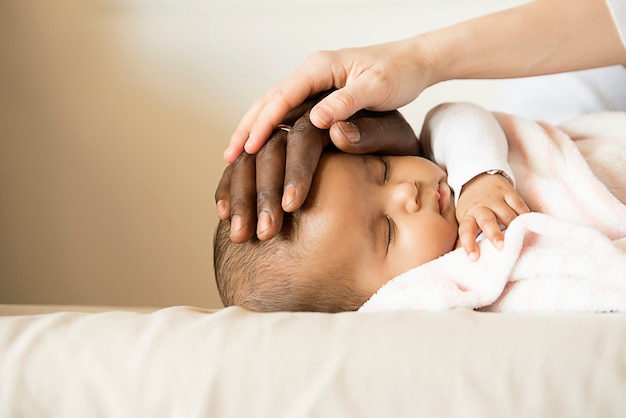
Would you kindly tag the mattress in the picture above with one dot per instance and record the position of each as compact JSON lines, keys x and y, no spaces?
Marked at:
{"x":183,"y":361}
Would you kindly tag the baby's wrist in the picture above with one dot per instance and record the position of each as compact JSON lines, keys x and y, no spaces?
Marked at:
{"x":498,"y":172}
{"x":490,"y":173}
{"x":486,"y":176}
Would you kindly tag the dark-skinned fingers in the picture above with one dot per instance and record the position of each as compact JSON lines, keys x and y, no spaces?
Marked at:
{"x":296,"y":113}
{"x":270,"y":176}
{"x":222,"y":194}
{"x":243,"y":198}
{"x":468,"y":229}
{"x":375,"y":132}
{"x":305,"y":143}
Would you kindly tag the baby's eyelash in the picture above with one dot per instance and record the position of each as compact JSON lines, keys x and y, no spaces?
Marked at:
{"x":387,"y":169}
{"x":392,"y":230}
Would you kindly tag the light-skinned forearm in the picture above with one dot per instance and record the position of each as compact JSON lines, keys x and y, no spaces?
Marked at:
{"x":540,"y":37}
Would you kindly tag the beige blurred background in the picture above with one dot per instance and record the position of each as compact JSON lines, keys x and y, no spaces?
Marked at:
{"x":114,"y":115}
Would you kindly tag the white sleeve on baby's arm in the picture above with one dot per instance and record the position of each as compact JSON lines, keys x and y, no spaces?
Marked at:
{"x":467,"y":141}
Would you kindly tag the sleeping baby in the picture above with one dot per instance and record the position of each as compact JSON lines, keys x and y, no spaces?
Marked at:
{"x":369,"y":218}
{"x":381,"y":232}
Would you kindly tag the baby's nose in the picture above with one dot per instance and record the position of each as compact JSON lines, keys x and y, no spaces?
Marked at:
{"x":406,"y":194}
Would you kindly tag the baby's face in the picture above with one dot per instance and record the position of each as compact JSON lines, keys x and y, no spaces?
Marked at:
{"x":378,"y":216}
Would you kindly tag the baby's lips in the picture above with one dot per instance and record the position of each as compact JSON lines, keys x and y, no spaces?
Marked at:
{"x":443,"y":195}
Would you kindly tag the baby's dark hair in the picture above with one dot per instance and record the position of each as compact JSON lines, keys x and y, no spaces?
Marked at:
{"x":272,"y":275}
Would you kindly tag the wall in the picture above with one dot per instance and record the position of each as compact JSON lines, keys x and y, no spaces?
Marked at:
{"x":113,"y":118}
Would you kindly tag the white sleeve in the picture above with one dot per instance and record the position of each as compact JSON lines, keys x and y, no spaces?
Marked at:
{"x":466,"y":140}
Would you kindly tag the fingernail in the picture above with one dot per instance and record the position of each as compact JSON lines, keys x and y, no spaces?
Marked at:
{"x":500,"y":245}
{"x":236,"y":223}
{"x":264,"y":222}
{"x":221,"y":208}
{"x":246,"y":146}
{"x":350,"y":131}
{"x":228,"y":154}
{"x":473,"y":256}
{"x":323,"y":115}
{"x":289,"y":196}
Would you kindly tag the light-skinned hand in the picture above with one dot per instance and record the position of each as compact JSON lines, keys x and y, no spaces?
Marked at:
{"x":381,"y":78}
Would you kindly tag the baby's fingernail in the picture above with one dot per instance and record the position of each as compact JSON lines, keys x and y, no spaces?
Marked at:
{"x":350,"y":131}
{"x":499,"y":245}
{"x":236,"y":223}
{"x":289,"y":196}
{"x":473,"y":256}
{"x":323,"y":115}
{"x":264,"y":223}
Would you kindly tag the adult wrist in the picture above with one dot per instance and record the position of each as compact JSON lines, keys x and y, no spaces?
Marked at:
{"x":424,"y":54}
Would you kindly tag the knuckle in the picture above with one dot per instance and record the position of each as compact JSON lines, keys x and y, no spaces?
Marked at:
{"x":304,"y":124}
{"x":307,"y":139}
{"x":508,"y":218}
{"x":466,"y":226}
{"x":484,"y":215}
{"x":244,"y":158}
{"x":345,"y":99}
{"x":320,"y":57}
{"x":267,"y":204}
{"x":267,"y":194}
{"x":298,"y":171}
{"x":379,"y":78}
{"x":240,"y":207}
{"x":275,"y":144}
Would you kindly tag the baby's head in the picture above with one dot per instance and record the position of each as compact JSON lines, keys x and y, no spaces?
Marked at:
{"x":280,"y":274}
{"x":367,"y":219}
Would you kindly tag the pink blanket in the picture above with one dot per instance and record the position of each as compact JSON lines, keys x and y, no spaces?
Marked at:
{"x":569,"y":257}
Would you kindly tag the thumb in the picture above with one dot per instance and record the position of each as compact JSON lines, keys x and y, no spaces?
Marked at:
{"x":339,"y":105}
{"x":375,"y":132}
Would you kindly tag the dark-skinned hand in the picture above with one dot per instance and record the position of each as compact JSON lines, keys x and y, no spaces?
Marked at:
{"x":256,"y":190}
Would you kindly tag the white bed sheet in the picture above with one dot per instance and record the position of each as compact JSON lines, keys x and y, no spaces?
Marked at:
{"x":185,"y":362}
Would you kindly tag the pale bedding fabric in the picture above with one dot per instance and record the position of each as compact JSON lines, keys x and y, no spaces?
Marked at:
{"x":185,"y":362}
{"x":568,"y":258}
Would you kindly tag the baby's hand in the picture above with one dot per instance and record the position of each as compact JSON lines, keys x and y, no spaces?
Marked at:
{"x":484,"y":201}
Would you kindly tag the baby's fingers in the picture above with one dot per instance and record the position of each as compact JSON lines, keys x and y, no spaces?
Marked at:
{"x":516,"y":203}
{"x":468,"y":229}
{"x":488,"y":223}
{"x":483,"y":219}
{"x":512,"y":207}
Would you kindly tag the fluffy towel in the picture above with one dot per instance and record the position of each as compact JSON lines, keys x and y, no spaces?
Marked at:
{"x":569,"y":257}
